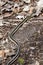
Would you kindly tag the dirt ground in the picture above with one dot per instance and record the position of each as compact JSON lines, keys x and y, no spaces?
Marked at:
{"x":30,"y":39}
{"x":28,"y":36}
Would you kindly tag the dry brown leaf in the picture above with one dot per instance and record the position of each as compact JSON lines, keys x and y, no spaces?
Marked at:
{"x":31,"y":10}
{"x":42,"y":14}
{"x":16,"y":10}
{"x":2,"y":53}
{"x":7,"y":14}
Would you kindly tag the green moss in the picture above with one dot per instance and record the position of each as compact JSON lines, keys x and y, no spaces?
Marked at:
{"x":21,"y":61}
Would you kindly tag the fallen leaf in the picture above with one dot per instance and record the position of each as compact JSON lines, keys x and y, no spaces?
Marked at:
{"x":7,"y":14}
{"x":31,"y":10}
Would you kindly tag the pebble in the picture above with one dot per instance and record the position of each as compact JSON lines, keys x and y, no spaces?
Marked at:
{"x":1,"y":22}
{"x":1,"y":3}
{"x":37,"y":63}
{"x":26,"y":8}
{"x":19,"y":17}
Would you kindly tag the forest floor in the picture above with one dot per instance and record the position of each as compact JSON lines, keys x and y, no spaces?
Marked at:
{"x":29,"y":36}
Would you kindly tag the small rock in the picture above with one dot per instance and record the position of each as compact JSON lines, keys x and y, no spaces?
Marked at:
{"x":6,"y":40}
{"x":39,"y":7}
{"x":1,"y":3}
{"x":16,"y":5}
{"x":32,"y":48}
{"x":20,"y":17}
{"x":1,"y":22}
{"x":37,"y":63}
{"x":39,"y":31}
{"x":26,"y":8}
